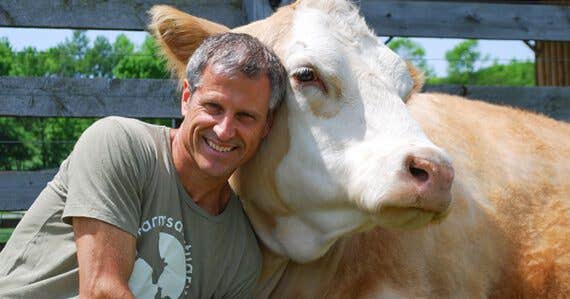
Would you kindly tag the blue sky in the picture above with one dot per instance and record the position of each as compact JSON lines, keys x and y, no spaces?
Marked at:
{"x":435,"y":48}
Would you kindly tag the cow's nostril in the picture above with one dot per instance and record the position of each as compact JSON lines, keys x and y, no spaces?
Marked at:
{"x":419,"y":174}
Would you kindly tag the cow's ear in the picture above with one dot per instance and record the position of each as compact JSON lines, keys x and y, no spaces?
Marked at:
{"x":418,"y":77}
{"x":178,"y":34}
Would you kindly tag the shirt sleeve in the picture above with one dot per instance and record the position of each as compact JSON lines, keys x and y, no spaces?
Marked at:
{"x":105,"y":177}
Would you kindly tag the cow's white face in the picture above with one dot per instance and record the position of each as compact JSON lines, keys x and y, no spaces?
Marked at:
{"x":344,"y":154}
{"x":350,"y":137}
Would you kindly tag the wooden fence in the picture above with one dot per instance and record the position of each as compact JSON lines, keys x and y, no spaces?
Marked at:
{"x":67,"y":97}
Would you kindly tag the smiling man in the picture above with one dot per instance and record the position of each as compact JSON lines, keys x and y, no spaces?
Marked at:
{"x":144,"y":211}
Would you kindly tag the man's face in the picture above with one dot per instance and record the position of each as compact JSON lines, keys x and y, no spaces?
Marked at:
{"x":225,"y":120}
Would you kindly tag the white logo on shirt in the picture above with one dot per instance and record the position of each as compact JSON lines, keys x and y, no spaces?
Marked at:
{"x":175,"y":275}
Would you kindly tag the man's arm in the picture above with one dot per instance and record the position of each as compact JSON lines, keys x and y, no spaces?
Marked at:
{"x":106,"y":255}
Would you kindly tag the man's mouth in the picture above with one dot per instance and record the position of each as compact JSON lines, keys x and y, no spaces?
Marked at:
{"x":217,"y":147}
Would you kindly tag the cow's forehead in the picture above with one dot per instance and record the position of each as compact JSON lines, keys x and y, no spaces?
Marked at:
{"x":335,"y":38}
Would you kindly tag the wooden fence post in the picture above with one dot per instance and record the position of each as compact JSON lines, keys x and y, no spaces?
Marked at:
{"x":552,"y":63}
{"x":552,"y":59}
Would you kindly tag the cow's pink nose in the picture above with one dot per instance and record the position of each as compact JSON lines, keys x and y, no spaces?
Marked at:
{"x":432,"y":182}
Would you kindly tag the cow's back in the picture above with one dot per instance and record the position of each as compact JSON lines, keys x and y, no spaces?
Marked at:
{"x":514,"y":166}
{"x":506,"y":236}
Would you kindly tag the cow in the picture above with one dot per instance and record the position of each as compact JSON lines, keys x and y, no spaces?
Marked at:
{"x":367,"y":188}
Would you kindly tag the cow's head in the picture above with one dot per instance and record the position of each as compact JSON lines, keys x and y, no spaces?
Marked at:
{"x":344,"y":154}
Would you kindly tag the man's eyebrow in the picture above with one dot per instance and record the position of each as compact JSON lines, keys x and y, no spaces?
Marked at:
{"x":209,"y":97}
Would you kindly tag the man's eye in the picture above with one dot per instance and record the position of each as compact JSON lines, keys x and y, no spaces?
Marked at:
{"x":246,"y":116}
{"x":212,"y":107}
{"x":304,"y":74}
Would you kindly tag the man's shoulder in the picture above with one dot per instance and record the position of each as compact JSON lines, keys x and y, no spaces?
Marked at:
{"x":128,"y":125}
{"x":125,"y":132}
{"x":122,"y":141}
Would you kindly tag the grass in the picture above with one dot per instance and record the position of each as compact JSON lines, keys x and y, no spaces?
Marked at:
{"x":5,"y":234}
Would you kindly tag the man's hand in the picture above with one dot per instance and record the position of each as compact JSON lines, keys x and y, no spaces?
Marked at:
{"x":106,"y":255}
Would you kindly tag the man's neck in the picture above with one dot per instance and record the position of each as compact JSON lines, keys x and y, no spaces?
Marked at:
{"x":212,"y":194}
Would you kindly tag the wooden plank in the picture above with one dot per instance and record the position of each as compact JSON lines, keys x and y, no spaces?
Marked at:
{"x":71,"y":97}
{"x":453,"y":19}
{"x":468,"y":19}
{"x":551,"y":101}
{"x":256,"y":10}
{"x":109,"y":14}
{"x":19,"y":189}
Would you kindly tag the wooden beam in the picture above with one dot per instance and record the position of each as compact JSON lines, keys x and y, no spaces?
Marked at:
{"x":256,"y":10}
{"x":70,"y":97}
{"x":454,"y":19}
{"x":468,"y":19}
{"x":110,"y":14}
{"x":19,"y":189}
{"x":551,"y":101}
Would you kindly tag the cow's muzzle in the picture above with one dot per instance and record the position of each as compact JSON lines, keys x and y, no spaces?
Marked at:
{"x":430,"y":178}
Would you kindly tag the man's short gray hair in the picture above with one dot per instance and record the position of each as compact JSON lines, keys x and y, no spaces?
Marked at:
{"x":233,"y":53}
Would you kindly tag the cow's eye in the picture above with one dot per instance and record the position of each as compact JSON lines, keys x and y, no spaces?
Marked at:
{"x":304,"y":74}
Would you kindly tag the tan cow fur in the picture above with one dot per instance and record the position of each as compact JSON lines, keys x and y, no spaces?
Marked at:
{"x":178,"y":34}
{"x":508,"y":230}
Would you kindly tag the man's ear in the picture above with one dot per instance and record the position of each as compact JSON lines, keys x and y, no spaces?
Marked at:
{"x":178,"y":34}
{"x":186,"y":96}
{"x":268,"y":124}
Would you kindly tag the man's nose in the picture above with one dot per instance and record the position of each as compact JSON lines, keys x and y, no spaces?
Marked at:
{"x":225,"y":129}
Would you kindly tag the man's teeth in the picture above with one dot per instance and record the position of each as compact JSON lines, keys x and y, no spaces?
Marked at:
{"x":217,"y":147}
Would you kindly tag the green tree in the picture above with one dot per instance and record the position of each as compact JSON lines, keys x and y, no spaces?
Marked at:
{"x":27,"y":63}
{"x":412,"y":51}
{"x":17,"y":152}
{"x":98,"y":60}
{"x":461,"y":62}
{"x":122,"y":47}
{"x":462,"y":69}
{"x":70,"y":54}
{"x":6,"y":56}
{"x":515,"y":73}
{"x":145,"y":63}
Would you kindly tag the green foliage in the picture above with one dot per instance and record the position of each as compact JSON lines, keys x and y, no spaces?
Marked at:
{"x":515,"y":73}
{"x":461,"y":62}
{"x":67,"y":58}
{"x":17,"y":152}
{"x":462,"y":68}
{"x":27,"y":63}
{"x":145,"y":64}
{"x":100,"y":59}
{"x":413,"y":52}
{"x":122,"y":47}
{"x":6,"y":57}
{"x":5,"y":234}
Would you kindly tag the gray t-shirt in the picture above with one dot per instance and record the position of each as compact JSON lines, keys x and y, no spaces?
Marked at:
{"x":121,"y":172}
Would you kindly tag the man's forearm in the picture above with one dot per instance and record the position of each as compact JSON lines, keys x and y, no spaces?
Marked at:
{"x":106,"y":256}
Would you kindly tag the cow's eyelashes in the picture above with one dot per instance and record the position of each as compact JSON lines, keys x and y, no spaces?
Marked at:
{"x":304,"y":74}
